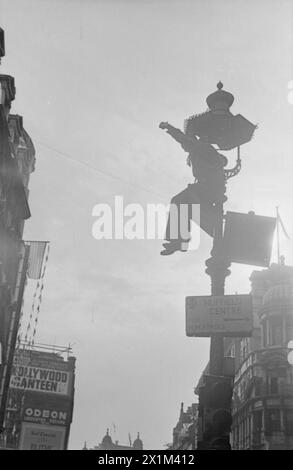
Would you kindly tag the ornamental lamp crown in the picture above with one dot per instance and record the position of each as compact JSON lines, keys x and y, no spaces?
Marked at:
{"x":220,"y":101}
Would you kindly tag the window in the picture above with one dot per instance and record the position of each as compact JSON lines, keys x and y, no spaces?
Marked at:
{"x":233,"y":351}
{"x":276,"y":335}
{"x":244,"y":348}
{"x":289,"y":328}
{"x":289,"y":422}
{"x":258,"y":386}
{"x":274,"y":385}
{"x":264,"y":333}
{"x":273,"y":423}
{"x":257,"y":421}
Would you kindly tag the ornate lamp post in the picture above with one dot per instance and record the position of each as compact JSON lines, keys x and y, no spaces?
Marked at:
{"x":217,"y":126}
{"x":221,"y":127}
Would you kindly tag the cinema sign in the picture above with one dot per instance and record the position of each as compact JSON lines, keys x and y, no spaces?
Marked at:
{"x":39,"y":379}
{"x":47,"y":415}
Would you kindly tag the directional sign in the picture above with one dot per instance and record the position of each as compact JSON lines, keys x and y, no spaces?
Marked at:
{"x":230,"y":315}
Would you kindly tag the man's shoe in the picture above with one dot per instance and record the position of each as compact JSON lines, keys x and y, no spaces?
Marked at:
{"x":170,"y":248}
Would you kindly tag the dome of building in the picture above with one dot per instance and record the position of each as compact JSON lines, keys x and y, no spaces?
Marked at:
{"x":138,"y":445}
{"x":107,"y":441}
{"x":279,"y":294}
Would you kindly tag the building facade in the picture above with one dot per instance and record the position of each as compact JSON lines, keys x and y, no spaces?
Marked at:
{"x":17,"y":160}
{"x":40,"y":401}
{"x":185,"y":431}
{"x":263,"y":384}
{"x":108,"y":444}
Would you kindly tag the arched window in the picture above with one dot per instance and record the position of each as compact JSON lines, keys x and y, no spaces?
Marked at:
{"x":276,"y":330}
{"x":289,"y":328}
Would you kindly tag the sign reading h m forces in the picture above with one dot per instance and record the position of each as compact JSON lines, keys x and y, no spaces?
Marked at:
{"x":230,"y":315}
{"x":41,"y":437}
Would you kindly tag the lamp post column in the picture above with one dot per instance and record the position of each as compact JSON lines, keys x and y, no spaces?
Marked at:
{"x":217,"y":269}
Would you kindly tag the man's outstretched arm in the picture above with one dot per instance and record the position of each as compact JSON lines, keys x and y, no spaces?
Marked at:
{"x":187,"y":142}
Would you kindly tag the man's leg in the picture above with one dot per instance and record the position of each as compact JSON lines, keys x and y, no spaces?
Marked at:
{"x":178,"y":225}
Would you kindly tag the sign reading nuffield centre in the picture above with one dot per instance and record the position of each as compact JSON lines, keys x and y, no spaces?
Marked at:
{"x":230,"y":315}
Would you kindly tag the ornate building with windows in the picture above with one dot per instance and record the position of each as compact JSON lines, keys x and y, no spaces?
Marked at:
{"x":108,"y":444}
{"x":263,"y":385}
{"x":17,"y":161}
{"x":185,"y":431}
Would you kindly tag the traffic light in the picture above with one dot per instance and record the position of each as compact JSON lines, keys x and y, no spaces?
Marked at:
{"x":215,"y":413}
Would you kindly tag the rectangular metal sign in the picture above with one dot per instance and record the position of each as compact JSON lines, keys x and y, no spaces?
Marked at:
{"x":35,"y":372}
{"x":38,"y":379}
{"x":248,"y":238}
{"x":230,"y":315}
{"x":41,"y":437}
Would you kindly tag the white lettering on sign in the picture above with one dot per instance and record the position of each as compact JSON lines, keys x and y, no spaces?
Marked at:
{"x":40,"y":379}
{"x":46,"y":414}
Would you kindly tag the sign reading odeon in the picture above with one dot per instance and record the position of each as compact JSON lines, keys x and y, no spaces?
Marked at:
{"x":46,"y":414}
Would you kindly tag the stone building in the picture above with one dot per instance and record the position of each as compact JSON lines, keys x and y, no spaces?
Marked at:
{"x":17,"y":160}
{"x":263,"y":384}
{"x":185,"y":431}
{"x":108,"y":444}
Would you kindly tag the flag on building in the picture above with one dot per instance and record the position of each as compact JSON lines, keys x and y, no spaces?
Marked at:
{"x":36,"y":259}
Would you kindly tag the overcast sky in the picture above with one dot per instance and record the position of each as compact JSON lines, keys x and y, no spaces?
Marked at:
{"x":94,"y":79}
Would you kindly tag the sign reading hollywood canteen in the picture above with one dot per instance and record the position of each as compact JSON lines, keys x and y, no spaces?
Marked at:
{"x":39,"y":379}
{"x":230,"y":315}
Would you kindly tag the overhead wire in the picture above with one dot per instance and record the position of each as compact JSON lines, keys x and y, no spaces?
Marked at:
{"x":98,"y":170}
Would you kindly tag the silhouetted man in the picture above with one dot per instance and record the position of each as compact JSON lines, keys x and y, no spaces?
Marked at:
{"x":209,"y":187}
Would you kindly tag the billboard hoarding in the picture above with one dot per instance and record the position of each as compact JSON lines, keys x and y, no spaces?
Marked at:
{"x":41,"y":409}
{"x":40,"y":379}
{"x":41,"y":437}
